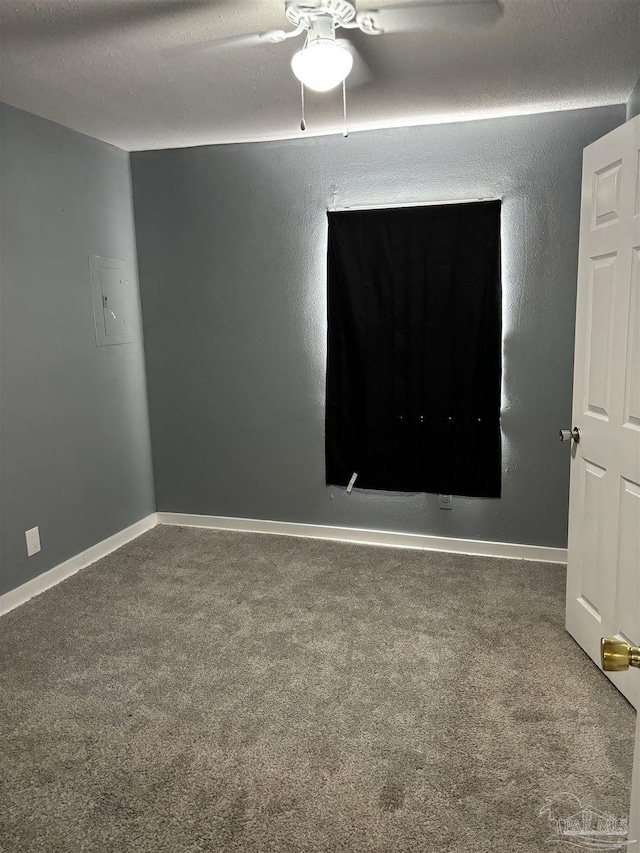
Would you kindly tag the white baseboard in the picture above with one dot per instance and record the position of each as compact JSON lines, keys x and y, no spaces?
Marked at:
{"x":16,"y":597}
{"x":369,"y":537}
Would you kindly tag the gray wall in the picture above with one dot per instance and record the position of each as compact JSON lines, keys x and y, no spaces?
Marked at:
{"x":75,"y":449}
{"x":231,"y":247}
{"x":633,"y":104}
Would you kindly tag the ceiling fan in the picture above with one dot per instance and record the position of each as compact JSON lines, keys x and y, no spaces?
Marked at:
{"x":324,"y":61}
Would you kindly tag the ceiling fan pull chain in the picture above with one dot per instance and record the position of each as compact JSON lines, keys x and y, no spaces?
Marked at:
{"x":303,"y":124}
{"x":345,"y":131}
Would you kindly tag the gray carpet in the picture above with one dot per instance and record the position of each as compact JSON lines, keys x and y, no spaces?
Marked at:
{"x":213,"y":691}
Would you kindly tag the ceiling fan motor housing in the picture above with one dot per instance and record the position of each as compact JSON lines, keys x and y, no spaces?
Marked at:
{"x":315,"y":14}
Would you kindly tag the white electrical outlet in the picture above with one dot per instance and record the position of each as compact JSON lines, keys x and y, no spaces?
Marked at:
{"x":445,"y":501}
{"x":33,"y":541}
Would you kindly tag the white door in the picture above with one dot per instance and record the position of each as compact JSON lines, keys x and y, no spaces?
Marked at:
{"x":603,"y":573}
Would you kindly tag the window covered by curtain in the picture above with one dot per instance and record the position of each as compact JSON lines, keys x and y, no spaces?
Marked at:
{"x":414,"y":349}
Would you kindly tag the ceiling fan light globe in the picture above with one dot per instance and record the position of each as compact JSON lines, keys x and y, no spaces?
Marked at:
{"x":322,"y":65}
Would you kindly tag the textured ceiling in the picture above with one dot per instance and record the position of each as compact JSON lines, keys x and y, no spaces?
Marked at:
{"x":98,"y":66}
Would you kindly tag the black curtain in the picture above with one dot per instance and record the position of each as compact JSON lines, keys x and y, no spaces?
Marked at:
{"x":414,"y":349}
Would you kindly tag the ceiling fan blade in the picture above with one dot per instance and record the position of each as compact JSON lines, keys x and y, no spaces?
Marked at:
{"x":211,"y":44}
{"x":247,"y":40}
{"x":360,"y":72}
{"x":428,"y":16}
{"x":102,"y":17}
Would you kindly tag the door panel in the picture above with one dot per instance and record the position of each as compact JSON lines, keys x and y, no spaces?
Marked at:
{"x":594,"y":498}
{"x":632,"y":387}
{"x":600,"y":335}
{"x":628,"y":580}
{"x":606,"y":195}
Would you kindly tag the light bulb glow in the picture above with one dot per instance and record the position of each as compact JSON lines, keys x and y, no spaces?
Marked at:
{"x":322,"y":65}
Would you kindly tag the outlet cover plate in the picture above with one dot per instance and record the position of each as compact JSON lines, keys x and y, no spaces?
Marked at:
{"x":33,"y":541}
{"x":445,"y":501}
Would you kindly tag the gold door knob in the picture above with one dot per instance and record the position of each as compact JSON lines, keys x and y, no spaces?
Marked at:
{"x":618,"y":655}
